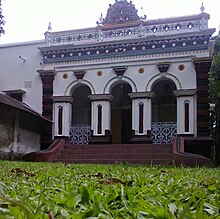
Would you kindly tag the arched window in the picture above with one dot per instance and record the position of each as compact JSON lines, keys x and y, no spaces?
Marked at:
{"x":164,"y":101}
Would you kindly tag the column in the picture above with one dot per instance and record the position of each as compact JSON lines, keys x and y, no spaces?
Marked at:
{"x":186,"y":112}
{"x":62,"y":115}
{"x":202,"y":67}
{"x":47,"y":78}
{"x":141,"y":117}
{"x":101,"y":118}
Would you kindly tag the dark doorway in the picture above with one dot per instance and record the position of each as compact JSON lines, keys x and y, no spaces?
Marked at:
{"x":164,"y":112}
{"x":121,"y":114}
{"x":81,"y":112}
{"x":164,"y":102}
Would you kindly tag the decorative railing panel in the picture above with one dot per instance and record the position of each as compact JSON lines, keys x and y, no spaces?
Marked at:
{"x":80,"y":134}
{"x":143,"y":30}
{"x":163,"y":132}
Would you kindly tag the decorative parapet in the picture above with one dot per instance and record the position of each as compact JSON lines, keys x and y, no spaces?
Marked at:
{"x":168,"y":26}
{"x":145,"y":47}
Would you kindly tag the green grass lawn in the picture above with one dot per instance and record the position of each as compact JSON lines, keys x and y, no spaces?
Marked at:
{"x":43,"y":190}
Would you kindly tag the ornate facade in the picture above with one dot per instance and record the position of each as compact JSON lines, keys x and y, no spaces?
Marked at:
{"x":127,"y":80}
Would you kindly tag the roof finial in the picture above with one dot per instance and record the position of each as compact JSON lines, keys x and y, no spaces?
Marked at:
{"x":219,"y":30}
{"x":101,"y":18}
{"x":202,"y":9}
{"x":49,"y":27}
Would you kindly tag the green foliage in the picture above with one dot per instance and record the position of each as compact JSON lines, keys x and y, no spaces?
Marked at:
{"x":214,"y":86}
{"x":217,"y":45}
{"x":2,"y":22}
{"x":43,"y":190}
{"x":214,"y":83}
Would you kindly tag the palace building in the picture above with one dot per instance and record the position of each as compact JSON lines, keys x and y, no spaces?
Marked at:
{"x":128,"y":80}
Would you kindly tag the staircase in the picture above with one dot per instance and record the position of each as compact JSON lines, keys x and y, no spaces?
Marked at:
{"x":160,"y":154}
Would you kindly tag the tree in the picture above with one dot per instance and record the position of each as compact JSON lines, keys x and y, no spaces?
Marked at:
{"x":2,"y":22}
{"x":214,"y":83}
{"x":214,"y":86}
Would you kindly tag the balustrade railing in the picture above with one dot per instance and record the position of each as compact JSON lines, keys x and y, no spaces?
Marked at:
{"x":163,"y":132}
{"x":169,"y":26}
{"x":80,"y":134}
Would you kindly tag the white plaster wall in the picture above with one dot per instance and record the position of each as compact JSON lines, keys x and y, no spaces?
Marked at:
{"x":15,"y":72}
{"x":24,"y":141}
{"x":27,"y":142}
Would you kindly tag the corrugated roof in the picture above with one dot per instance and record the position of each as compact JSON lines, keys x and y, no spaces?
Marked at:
{"x":9,"y":101}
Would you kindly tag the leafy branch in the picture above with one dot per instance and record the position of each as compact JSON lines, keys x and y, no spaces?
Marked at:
{"x":2,"y":22}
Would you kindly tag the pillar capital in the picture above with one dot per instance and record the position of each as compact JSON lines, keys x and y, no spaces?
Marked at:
{"x":142,"y":95}
{"x":184,"y":92}
{"x":202,"y":65}
{"x":100,"y":97}
{"x":49,"y":72}
{"x":62,"y":99}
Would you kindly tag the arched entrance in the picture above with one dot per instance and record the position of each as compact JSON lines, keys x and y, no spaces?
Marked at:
{"x":164,"y":111}
{"x":81,"y":115}
{"x":121,"y":124}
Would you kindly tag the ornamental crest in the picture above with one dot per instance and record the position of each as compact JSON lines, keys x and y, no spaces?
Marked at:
{"x":121,"y":12}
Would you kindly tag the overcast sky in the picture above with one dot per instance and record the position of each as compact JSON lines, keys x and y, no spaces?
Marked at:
{"x":27,"y":20}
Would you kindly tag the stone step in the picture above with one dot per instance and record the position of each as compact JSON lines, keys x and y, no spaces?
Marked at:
{"x":118,"y":161}
{"x":127,"y":146}
{"x":110,"y":154}
{"x":116,"y":151}
{"x":114,"y":156}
